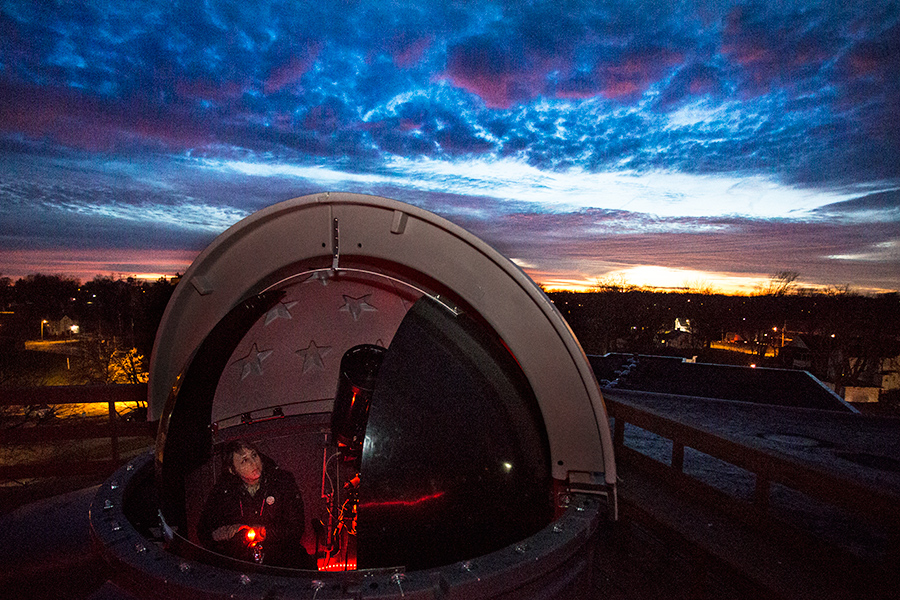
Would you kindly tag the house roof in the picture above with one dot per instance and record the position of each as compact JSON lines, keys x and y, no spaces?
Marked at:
{"x":672,"y":375}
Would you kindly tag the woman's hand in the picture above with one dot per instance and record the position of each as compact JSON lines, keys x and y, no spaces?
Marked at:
{"x":226,"y":532}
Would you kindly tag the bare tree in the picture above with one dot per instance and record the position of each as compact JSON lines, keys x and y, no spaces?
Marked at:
{"x":699,"y":286}
{"x":838,"y":290}
{"x":779,"y":284}
{"x":612,"y":283}
{"x":127,"y":366}
{"x":105,"y":361}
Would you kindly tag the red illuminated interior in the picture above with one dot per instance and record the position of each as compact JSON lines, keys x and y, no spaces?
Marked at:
{"x":336,"y":542}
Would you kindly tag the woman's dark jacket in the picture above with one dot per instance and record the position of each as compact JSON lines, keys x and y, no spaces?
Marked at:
{"x":277,"y":506}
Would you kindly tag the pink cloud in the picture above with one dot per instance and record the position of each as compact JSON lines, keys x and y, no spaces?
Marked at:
{"x":634,"y":73}
{"x":702,"y":83}
{"x":768,"y":56}
{"x":85,"y":264}
{"x":291,"y":71}
{"x":497,"y":75}
{"x":205,"y":89}
{"x":88,"y":123}
{"x":406,"y":50}
{"x":575,"y":93}
{"x":324,"y":118}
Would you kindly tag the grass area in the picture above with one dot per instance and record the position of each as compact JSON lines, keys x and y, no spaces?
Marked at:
{"x":770,"y":352}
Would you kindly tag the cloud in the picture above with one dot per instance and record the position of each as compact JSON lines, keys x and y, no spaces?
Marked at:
{"x":325,"y":82}
{"x":591,"y":242}
{"x":731,"y":127}
{"x":293,"y":69}
{"x":85,"y":264}
{"x":692,"y":82}
{"x":407,"y":48}
{"x":498,"y":73}
{"x":77,"y":120}
{"x":877,"y":207}
{"x":783,"y":46}
{"x":657,"y":193}
{"x":869,"y":78}
{"x":630,"y":74}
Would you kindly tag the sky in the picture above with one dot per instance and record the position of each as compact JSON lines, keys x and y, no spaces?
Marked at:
{"x":701,"y":143}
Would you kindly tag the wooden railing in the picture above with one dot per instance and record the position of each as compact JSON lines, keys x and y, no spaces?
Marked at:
{"x":870,"y":502}
{"x":768,"y":469}
{"x":113,"y":429}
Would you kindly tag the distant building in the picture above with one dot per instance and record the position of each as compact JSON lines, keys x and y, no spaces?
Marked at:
{"x":884,"y":375}
{"x":831,"y":363}
{"x":681,"y":337}
{"x":683,"y":325}
{"x":64,"y":327}
{"x":890,"y":374}
{"x":861,"y":394}
{"x":796,"y":354}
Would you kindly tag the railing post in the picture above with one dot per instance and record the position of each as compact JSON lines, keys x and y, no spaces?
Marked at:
{"x":113,"y":430}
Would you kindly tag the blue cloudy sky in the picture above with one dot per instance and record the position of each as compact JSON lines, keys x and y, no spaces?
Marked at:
{"x":661,"y":143}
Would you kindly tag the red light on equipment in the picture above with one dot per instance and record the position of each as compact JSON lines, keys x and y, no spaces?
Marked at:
{"x":255,"y":536}
{"x":337,"y":566}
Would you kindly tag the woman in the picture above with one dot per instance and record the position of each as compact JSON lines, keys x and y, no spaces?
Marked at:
{"x":255,"y":511}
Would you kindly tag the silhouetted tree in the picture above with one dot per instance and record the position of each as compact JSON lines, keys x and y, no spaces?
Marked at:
{"x":6,"y":293}
{"x":779,"y":284}
{"x":151,"y":302}
{"x":43,"y":297}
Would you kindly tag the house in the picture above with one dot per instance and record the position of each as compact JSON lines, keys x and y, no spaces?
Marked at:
{"x":64,"y":327}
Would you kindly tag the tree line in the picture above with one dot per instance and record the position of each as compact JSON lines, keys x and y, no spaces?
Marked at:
{"x":117,"y":320}
{"x":847,"y":335}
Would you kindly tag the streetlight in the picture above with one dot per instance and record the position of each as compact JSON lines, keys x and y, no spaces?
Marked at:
{"x":43,"y":322}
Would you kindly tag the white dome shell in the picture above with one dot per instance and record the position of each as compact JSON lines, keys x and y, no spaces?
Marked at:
{"x":357,"y":242}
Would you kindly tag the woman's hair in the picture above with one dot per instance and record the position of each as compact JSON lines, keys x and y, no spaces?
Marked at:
{"x":234,"y":447}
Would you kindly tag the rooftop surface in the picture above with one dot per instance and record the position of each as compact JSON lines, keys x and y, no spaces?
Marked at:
{"x":673,"y":375}
{"x":838,"y":542}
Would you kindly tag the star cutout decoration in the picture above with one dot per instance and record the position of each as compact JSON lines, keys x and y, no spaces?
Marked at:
{"x":322,"y":277}
{"x":312,"y":356}
{"x":252,"y":363}
{"x":357,"y":306}
{"x":279,"y":311}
